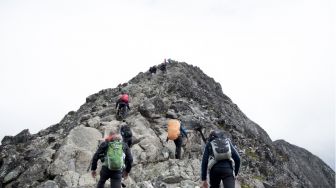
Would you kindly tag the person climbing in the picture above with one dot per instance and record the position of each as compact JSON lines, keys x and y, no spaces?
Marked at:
{"x":221,"y":159}
{"x":117,"y":161}
{"x":163,"y":67}
{"x":176,"y":132}
{"x":122,"y":102}
{"x":126,"y":133}
{"x":152,"y":70}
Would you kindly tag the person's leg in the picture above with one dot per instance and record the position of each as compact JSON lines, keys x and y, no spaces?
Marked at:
{"x":215,"y":178}
{"x":178,"y":144}
{"x":129,"y":142}
{"x":104,"y":175}
{"x":118,"y":111}
{"x":116,"y":179}
{"x":228,"y":178}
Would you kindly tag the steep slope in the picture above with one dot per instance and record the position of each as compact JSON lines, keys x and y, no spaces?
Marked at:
{"x":59,"y":155}
{"x":302,"y":163}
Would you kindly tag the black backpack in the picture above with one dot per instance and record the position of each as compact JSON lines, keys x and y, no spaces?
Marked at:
{"x":126,"y":131}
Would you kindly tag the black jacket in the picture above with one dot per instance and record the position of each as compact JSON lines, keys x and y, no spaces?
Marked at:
{"x":102,"y":150}
{"x":121,"y":103}
{"x":220,"y":164}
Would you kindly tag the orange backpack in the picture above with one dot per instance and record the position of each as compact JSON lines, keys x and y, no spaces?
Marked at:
{"x":173,"y":129}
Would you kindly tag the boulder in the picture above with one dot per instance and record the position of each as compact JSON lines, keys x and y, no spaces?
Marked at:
{"x":94,"y":122}
{"x":48,"y":184}
{"x":76,"y":153}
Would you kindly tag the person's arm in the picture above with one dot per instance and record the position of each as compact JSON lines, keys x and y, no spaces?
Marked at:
{"x":236,"y":158}
{"x":117,"y":103}
{"x":204,"y":165}
{"x":183,"y":131}
{"x":122,"y":129}
{"x":128,"y":158}
{"x":128,"y":106}
{"x":101,"y":151}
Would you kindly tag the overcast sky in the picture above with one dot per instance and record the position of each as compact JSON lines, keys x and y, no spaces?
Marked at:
{"x":273,"y":58}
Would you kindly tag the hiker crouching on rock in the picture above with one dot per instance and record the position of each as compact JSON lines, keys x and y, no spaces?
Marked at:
{"x":126,"y":133}
{"x":117,"y":161}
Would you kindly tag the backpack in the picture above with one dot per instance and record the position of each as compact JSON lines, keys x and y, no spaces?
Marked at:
{"x":114,"y":159}
{"x":124,"y":98}
{"x":221,"y":151}
{"x":173,"y":129}
{"x":126,"y":131}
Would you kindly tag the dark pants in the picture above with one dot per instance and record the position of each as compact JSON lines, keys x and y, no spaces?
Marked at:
{"x":120,"y":106}
{"x":221,"y":174}
{"x":178,"y":143}
{"x":128,"y":141}
{"x":114,"y":176}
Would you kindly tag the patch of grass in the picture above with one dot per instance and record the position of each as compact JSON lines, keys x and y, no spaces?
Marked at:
{"x":261,"y":178}
{"x":251,"y":153}
{"x":243,"y":185}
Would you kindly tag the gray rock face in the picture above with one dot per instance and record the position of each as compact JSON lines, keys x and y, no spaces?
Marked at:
{"x":59,"y":155}
{"x":304,"y":164}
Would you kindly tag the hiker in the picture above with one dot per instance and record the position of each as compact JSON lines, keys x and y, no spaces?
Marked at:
{"x":221,"y":159}
{"x":122,"y":102}
{"x":163,"y":67}
{"x":176,"y":132}
{"x":117,"y":161}
{"x":126,"y":134}
{"x":121,"y":86}
{"x":152,"y":69}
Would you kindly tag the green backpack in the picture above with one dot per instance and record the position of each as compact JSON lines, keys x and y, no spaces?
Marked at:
{"x":114,"y":159}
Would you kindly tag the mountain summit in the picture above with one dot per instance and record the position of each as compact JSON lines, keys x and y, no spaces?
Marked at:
{"x":60,"y":155}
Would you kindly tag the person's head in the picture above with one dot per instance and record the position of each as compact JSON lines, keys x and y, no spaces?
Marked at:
{"x":216,"y":134}
{"x":113,"y":132}
{"x":171,"y":115}
{"x":113,"y":135}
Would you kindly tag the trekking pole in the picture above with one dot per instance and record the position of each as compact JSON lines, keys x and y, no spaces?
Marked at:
{"x":202,"y":135}
{"x":88,"y":169}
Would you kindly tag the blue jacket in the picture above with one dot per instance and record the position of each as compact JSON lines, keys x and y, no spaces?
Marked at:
{"x":183,"y":131}
{"x":220,"y":164}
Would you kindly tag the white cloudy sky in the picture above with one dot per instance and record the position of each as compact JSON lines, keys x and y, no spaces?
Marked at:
{"x":273,"y":58}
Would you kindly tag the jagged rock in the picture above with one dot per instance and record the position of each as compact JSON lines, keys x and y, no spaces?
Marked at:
{"x":171,"y":115}
{"x":304,"y":164}
{"x":7,"y":140}
{"x":68,"y":179}
{"x":147,"y":109}
{"x":60,"y":155}
{"x":13,"y":174}
{"x":48,"y":184}
{"x":145,"y":184}
{"x":77,"y":151}
{"x":94,"y":122}
{"x":85,"y":117}
{"x":22,"y":137}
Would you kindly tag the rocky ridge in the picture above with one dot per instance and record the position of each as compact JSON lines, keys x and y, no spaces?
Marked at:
{"x":59,"y":155}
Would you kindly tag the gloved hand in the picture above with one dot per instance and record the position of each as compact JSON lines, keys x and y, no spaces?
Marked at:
{"x":125,"y":175}
{"x":93,"y":173}
{"x":205,"y":184}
